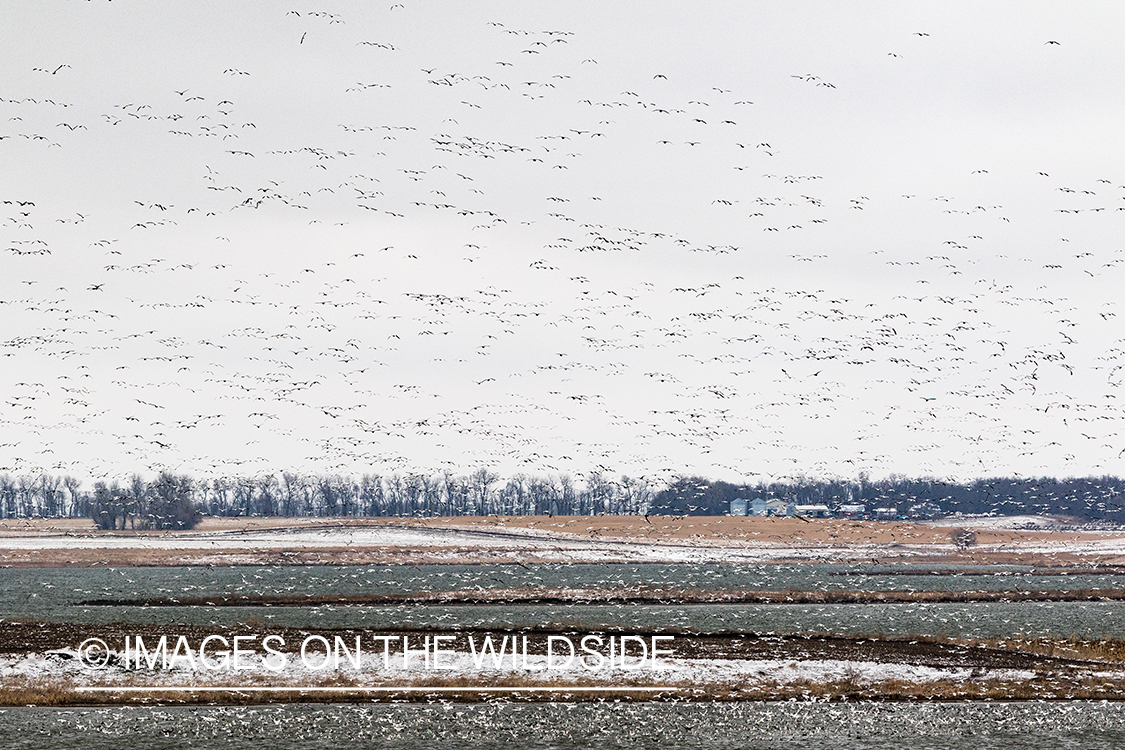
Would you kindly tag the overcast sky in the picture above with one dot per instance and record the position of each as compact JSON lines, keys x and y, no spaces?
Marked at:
{"x":744,"y":240}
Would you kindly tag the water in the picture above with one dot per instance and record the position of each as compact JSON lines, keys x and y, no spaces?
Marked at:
{"x":716,"y":726}
{"x":53,"y":595}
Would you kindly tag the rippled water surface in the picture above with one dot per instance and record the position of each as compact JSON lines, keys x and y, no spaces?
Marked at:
{"x":808,"y":726}
{"x":55,"y":595}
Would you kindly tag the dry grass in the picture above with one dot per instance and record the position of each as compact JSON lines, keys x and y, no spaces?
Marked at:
{"x":770,"y":530}
{"x":1085,"y":649}
{"x":1067,"y":669}
{"x":1045,"y":685}
{"x":24,"y":691}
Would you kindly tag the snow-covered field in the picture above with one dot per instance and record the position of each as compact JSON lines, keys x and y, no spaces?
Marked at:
{"x":448,"y":543}
{"x":1000,"y":522}
{"x":453,"y":543}
{"x":464,"y":669}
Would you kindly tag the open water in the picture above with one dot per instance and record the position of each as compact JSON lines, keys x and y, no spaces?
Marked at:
{"x":777,"y":726}
{"x":55,"y":595}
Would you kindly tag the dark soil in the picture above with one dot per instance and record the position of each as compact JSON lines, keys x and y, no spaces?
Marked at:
{"x":639,"y":595}
{"x":25,"y":637}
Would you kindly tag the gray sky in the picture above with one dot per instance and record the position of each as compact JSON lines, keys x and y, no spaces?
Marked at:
{"x":747,"y":240}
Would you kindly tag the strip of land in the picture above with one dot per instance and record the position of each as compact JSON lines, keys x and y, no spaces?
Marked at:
{"x":39,"y":666}
{"x":641,"y":595}
{"x":528,"y":539}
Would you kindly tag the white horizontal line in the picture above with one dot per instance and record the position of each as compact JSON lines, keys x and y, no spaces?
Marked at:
{"x":381,"y":689}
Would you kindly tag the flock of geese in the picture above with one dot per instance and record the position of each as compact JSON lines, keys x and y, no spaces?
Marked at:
{"x":391,"y":239}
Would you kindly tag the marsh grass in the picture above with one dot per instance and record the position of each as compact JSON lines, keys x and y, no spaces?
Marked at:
{"x":1045,"y":685}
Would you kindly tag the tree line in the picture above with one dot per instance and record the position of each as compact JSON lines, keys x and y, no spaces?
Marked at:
{"x":169,"y":501}
{"x":1086,"y":498}
{"x":179,"y":501}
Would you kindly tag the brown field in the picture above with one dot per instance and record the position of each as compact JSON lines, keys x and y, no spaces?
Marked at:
{"x":748,"y":529}
{"x":703,"y":529}
{"x":828,"y":538}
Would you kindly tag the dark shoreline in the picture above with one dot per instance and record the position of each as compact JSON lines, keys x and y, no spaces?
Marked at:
{"x":617,"y":597}
{"x":37,"y":636}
